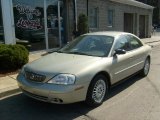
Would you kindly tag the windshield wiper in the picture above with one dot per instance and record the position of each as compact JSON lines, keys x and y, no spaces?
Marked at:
{"x":79,"y":53}
{"x":59,"y":51}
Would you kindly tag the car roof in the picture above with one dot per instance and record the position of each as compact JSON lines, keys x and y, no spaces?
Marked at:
{"x":108,"y":33}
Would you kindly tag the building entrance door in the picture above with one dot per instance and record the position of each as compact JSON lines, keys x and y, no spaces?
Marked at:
{"x":142,"y":26}
{"x":55,"y":29}
{"x":128,"y":22}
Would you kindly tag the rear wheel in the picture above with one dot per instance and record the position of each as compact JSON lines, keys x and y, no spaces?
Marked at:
{"x":146,"y":68}
{"x":97,"y":91}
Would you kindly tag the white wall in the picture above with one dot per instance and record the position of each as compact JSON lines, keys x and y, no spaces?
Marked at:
{"x":8,"y":22}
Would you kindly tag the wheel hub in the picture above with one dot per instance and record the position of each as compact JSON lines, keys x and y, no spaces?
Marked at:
{"x":146,"y":67}
{"x":99,"y":91}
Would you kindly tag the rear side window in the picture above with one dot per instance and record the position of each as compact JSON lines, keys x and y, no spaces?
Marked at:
{"x":134,"y":42}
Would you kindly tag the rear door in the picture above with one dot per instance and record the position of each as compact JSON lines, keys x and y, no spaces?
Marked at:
{"x":137,"y":53}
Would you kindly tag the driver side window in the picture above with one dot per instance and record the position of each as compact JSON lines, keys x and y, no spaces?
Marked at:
{"x":122,"y":43}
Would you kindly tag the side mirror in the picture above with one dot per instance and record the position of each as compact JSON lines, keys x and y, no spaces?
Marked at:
{"x":119,"y":51}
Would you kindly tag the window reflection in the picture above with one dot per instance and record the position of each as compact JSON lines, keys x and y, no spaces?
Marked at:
{"x":29,"y":23}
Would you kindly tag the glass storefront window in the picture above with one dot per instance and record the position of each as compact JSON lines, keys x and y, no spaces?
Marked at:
{"x":55,"y":13}
{"x":1,"y":26}
{"x":29,"y":23}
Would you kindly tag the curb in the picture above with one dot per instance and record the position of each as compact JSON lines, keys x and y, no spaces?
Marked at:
{"x":153,"y":44}
{"x":153,"y":41}
{"x":9,"y":91}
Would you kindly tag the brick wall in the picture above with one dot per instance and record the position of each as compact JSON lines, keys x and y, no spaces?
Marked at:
{"x":120,"y":9}
{"x":103,"y":6}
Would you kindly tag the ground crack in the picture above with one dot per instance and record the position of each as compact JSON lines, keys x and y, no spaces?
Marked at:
{"x":154,"y":86}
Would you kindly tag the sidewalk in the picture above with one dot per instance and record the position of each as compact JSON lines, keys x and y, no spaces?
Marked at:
{"x":152,"y":41}
{"x":8,"y":84}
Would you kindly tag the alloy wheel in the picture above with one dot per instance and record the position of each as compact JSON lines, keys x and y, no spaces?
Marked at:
{"x":146,"y":67}
{"x":99,"y":91}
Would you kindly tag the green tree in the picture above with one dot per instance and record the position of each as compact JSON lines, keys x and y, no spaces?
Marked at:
{"x":82,"y":24}
{"x":155,"y":3}
{"x":156,"y":11}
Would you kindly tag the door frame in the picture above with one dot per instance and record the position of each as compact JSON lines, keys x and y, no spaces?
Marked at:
{"x":46,"y":28}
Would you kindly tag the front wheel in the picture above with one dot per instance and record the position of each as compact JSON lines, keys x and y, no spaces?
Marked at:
{"x":97,"y":91}
{"x":146,"y":68}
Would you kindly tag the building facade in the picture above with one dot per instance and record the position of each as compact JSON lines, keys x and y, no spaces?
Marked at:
{"x":48,"y":24}
{"x":156,"y":11}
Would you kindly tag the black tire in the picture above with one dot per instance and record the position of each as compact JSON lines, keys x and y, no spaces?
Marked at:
{"x":146,"y":68}
{"x":95,"y":87}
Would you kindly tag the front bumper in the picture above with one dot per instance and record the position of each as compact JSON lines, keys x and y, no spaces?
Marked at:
{"x":60,"y":94}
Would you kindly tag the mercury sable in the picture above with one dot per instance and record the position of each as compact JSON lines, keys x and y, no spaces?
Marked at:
{"x":86,"y":68}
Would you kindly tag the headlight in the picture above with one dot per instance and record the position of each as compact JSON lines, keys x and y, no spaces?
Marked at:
{"x":63,"y":79}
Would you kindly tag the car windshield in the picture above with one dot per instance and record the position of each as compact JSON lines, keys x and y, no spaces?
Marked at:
{"x":91,"y":45}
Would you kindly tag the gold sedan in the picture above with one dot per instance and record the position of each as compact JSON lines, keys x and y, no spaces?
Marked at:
{"x":86,"y":68}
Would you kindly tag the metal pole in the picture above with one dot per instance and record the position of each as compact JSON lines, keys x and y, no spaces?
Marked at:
{"x":76,"y":14}
{"x":45,"y":22}
{"x":88,"y":13}
{"x":59,"y":23}
{"x":87,"y":7}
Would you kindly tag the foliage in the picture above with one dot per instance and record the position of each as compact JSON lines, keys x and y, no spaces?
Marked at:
{"x":82,"y":24}
{"x":13,"y":57}
{"x":155,"y":3}
{"x":156,"y":10}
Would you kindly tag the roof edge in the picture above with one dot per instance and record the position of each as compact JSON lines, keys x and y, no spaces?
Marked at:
{"x":134,"y":3}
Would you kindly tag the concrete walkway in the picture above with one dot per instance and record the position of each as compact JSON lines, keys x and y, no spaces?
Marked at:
{"x":154,"y":40}
{"x":8,"y":84}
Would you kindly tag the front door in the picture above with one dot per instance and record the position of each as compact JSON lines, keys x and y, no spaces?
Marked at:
{"x":121,"y":63}
{"x":55,"y":29}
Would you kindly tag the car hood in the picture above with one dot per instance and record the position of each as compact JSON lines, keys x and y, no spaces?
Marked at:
{"x":57,"y":63}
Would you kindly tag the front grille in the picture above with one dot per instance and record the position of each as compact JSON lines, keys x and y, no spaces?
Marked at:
{"x":34,"y":76}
